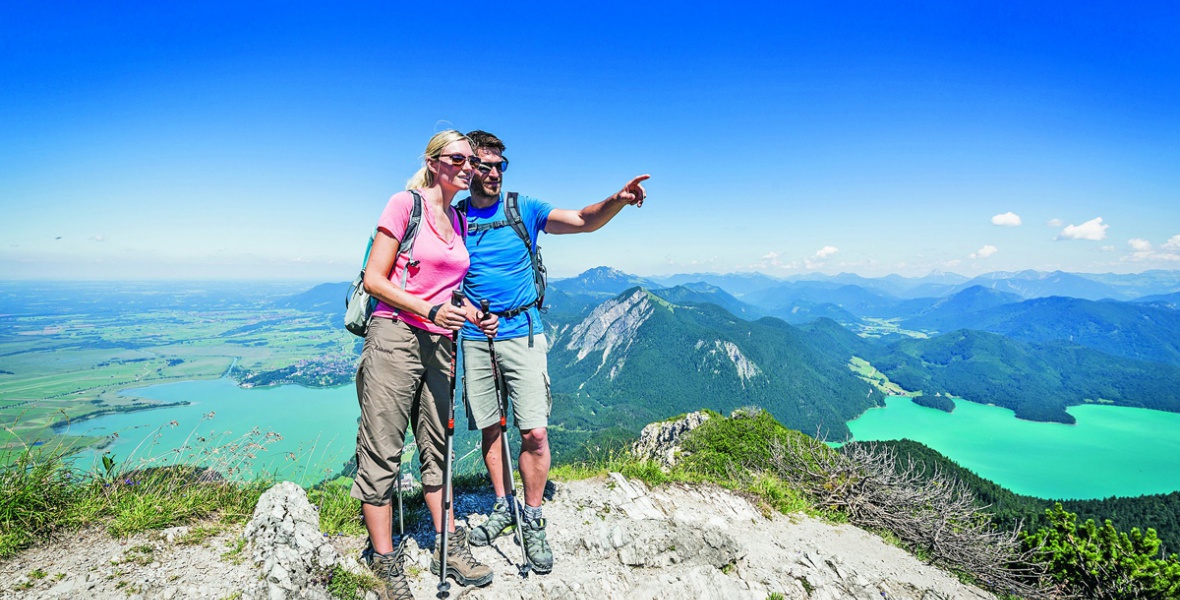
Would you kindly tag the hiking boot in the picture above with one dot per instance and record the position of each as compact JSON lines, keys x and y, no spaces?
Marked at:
{"x":461,"y":565}
{"x":390,"y":569}
{"x":536,"y":548}
{"x":498,"y":523}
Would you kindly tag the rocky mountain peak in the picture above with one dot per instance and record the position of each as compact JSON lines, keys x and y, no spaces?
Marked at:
{"x":612,"y":325}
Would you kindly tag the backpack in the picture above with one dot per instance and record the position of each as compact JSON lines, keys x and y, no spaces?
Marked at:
{"x":513,"y":219}
{"x":358,"y":304}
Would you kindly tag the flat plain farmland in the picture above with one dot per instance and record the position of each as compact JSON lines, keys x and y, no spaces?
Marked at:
{"x":60,"y":368}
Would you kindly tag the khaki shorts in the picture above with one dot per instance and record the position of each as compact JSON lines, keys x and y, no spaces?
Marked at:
{"x":403,"y":379}
{"x":525,"y":373}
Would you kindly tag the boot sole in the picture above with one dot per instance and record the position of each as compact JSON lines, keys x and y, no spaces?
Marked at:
{"x":459,"y":579}
{"x":540,"y":570}
{"x":534,"y":566}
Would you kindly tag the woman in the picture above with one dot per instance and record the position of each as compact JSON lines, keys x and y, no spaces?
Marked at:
{"x":405,"y":367}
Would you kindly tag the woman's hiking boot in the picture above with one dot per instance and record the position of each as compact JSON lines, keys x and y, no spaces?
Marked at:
{"x":536,"y":547}
{"x":498,"y":523}
{"x":390,"y":569}
{"x":461,"y":565}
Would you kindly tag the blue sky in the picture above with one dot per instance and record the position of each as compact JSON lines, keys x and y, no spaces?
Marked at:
{"x":217,"y":141}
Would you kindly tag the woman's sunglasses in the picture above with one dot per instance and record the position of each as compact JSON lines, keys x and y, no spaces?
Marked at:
{"x":486,"y":167}
{"x":457,"y":160}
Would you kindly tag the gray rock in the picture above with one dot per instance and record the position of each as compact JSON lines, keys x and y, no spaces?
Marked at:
{"x":660,"y":442}
{"x":285,"y":538}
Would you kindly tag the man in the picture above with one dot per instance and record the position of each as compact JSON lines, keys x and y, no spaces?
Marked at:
{"x":502,"y":273}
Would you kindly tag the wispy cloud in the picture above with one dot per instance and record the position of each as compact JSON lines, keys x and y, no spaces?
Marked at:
{"x":1055,"y":223}
{"x":1143,"y":251}
{"x":826,"y":251}
{"x":1092,"y":230}
{"x":1008,"y":219}
{"x":984,"y":252}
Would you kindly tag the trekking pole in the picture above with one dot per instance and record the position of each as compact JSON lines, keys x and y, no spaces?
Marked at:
{"x":401,"y":522}
{"x":501,"y":403}
{"x":443,"y":586}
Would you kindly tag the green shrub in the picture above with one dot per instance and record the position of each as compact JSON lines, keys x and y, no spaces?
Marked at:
{"x":724,"y":448}
{"x":1100,"y":562}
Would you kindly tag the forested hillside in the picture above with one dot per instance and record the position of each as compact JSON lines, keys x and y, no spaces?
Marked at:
{"x":1129,"y":330}
{"x":638,"y":358}
{"x":1036,"y":380}
{"x":1157,"y":511}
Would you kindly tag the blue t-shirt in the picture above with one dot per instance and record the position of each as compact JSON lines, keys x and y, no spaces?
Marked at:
{"x":501,"y":270}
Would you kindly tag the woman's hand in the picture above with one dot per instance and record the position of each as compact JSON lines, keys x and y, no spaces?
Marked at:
{"x":449,"y":316}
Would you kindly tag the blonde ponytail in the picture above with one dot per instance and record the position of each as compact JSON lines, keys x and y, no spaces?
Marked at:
{"x":424,"y":177}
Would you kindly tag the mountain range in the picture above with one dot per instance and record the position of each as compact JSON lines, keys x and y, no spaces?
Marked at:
{"x":627,"y":349}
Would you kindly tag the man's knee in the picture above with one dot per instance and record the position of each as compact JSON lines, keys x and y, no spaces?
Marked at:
{"x":490,"y":435}
{"x":534,"y":440}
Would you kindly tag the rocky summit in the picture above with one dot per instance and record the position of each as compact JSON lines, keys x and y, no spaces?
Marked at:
{"x":612,"y":538}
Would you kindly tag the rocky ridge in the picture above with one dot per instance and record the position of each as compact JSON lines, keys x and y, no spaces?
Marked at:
{"x":613,"y":538}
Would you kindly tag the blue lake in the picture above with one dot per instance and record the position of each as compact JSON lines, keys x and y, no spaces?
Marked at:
{"x":1111,"y":451}
{"x":312,"y":431}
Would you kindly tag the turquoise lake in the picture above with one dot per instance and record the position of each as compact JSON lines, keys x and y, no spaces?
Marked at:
{"x":1111,"y":451}
{"x":317,"y":428}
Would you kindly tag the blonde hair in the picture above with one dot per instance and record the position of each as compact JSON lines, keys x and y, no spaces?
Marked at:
{"x":424,"y":178}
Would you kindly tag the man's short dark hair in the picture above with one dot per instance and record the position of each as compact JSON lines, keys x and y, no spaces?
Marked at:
{"x":483,"y":139}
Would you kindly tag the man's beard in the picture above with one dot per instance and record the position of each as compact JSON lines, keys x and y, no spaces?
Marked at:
{"x":483,"y":190}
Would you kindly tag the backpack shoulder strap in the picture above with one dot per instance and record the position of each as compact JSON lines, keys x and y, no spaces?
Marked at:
{"x":411,"y":233}
{"x":461,"y":213}
{"x":407,"y":244}
{"x":512,"y":211}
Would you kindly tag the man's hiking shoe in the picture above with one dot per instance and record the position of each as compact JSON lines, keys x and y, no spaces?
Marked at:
{"x":536,"y":548}
{"x":498,"y":523}
{"x":461,"y":565}
{"x":390,"y":569}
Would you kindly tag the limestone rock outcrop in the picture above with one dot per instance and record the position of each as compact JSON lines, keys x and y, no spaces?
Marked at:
{"x":286,"y":543}
{"x":660,"y":442}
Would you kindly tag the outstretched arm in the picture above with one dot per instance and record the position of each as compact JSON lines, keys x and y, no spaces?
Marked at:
{"x":596,"y":215}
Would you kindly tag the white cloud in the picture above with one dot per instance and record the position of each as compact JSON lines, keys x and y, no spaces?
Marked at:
{"x":1055,"y":223}
{"x":984,"y":252}
{"x":1108,"y":248}
{"x":1142,"y":251}
{"x":952,"y":263}
{"x":826,"y":251}
{"x":771,"y":256}
{"x":1008,"y":219}
{"x":1092,"y":230}
{"x":98,"y":238}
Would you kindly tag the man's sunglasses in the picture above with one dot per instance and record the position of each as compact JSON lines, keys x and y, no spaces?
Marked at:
{"x":457,"y":160}
{"x":486,"y":167}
